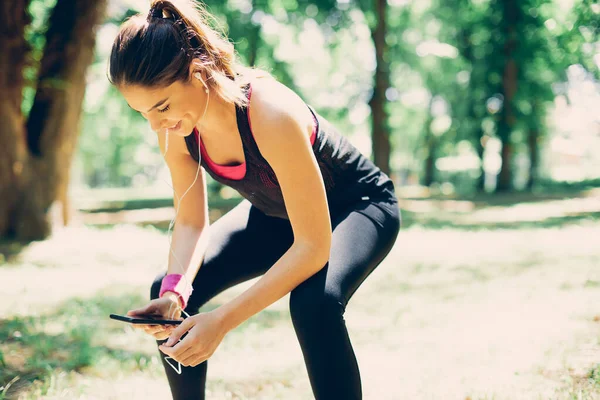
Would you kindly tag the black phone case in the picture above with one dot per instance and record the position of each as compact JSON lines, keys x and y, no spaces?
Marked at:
{"x":146,"y":320}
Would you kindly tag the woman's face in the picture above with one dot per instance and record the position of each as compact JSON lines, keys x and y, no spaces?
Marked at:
{"x":177,"y":107}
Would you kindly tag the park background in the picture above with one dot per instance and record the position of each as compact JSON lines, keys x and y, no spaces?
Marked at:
{"x":484,"y":112}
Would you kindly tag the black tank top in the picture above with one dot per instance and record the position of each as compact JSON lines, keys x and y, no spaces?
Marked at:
{"x":349,"y":176}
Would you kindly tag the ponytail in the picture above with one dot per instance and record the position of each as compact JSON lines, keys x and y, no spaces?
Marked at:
{"x":157,"y":51}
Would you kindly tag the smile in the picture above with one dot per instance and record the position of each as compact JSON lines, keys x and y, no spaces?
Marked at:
{"x":175,"y":127}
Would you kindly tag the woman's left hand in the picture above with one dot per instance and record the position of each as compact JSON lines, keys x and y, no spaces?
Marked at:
{"x":205,"y":333}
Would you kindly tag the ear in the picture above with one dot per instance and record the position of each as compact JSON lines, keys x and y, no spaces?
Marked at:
{"x":198,"y":74}
{"x":195,"y":68}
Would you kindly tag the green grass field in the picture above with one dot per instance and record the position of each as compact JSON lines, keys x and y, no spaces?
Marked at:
{"x":477,"y":300}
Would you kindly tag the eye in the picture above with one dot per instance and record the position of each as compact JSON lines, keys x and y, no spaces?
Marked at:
{"x":164,"y":109}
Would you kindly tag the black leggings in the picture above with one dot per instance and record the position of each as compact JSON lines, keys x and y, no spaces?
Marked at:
{"x":245,"y":243}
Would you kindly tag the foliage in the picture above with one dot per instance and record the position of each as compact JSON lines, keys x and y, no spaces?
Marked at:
{"x":446,"y":63}
{"x":35,"y":35}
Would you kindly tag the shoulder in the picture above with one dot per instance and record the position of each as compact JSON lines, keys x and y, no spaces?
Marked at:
{"x":277,"y":113}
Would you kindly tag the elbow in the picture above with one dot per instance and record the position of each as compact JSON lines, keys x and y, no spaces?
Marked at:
{"x":318,"y":250}
{"x":193,"y":227}
{"x":193,"y":221}
{"x":324,"y":251}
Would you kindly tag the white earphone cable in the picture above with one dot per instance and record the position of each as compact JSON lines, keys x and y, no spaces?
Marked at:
{"x":179,"y":201}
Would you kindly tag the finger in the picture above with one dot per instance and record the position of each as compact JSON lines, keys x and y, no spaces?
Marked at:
{"x":140,"y":311}
{"x":179,"y":350}
{"x":185,"y":353}
{"x":152,"y":329}
{"x":139,"y":326}
{"x":188,"y":361}
{"x":169,"y":329}
{"x":199,"y":361}
{"x":167,"y":332}
{"x":161,"y":335}
{"x":167,"y":350}
{"x":178,"y":332}
{"x":191,"y":361}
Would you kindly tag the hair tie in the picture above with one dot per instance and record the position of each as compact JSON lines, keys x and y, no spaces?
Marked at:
{"x":155,"y":12}
{"x":159,"y":12}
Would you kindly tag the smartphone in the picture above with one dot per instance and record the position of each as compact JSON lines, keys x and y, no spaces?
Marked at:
{"x":146,"y":319}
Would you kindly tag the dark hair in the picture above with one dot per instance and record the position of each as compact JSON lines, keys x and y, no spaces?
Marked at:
{"x":157,"y":50}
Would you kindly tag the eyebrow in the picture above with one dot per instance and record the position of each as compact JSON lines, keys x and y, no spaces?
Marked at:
{"x":154,"y":106}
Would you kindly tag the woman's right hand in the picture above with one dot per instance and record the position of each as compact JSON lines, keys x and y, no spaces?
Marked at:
{"x":167,"y":307}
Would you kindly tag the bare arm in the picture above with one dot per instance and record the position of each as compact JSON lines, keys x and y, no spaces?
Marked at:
{"x":280,"y":122}
{"x":189,"y":239}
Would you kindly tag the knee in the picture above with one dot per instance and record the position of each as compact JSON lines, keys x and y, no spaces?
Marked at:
{"x":315,"y":305}
{"x":155,"y":288}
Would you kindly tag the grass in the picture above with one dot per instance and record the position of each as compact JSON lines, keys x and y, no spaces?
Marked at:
{"x":42,"y":353}
{"x":585,"y":387}
{"x":69,"y":340}
{"x":463,"y":310}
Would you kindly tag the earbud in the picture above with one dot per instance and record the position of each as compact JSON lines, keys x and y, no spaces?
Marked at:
{"x":198,"y":76}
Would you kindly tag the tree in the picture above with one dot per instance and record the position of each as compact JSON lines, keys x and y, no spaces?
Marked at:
{"x":555,"y":49}
{"x":380,"y":133}
{"x":511,"y":18}
{"x":36,"y":157}
{"x":376,"y":14}
{"x":513,"y":59}
{"x":464,"y":78}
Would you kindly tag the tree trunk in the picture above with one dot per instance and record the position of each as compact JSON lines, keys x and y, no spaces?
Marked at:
{"x":509,"y":89}
{"x":53,"y":123}
{"x":474,"y":117}
{"x":430,"y":147}
{"x":429,"y":161}
{"x":533,"y":135}
{"x":254,"y":35}
{"x":14,"y":50}
{"x":380,"y":131}
{"x":480,"y":147}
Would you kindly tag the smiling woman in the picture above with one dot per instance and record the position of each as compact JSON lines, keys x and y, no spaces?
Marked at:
{"x":156,"y":84}
{"x":178,"y":109}
{"x":318,"y":218}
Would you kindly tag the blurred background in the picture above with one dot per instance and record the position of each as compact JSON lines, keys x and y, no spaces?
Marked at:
{"x":484,"y":112}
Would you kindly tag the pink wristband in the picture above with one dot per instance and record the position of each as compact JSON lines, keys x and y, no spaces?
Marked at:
{"x":176,"y":283}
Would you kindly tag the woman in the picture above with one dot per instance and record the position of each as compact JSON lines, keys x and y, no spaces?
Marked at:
{"x":317,"y":218}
